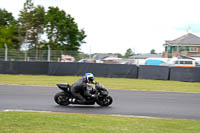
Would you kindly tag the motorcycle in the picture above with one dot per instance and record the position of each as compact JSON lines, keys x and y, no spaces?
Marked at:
{"x":102,"y":95}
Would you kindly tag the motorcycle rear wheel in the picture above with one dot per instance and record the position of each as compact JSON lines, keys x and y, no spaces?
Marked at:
{"x":61,"y":98}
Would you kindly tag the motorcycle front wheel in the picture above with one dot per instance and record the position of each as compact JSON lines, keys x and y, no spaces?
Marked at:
{"x":106,"y":101}
{"x":61,"y":98}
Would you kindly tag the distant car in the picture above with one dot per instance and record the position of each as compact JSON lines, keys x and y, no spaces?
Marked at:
{"x":87,"y":61}
{"x":83,"y":61}
{"x":67,"y":58}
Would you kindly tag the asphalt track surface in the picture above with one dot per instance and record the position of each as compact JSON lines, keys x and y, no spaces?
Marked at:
{"x":127,"y":103}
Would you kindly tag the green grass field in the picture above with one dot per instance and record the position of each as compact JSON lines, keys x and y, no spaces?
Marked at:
{"x":113,"y":83}
{"x":26,"y":122}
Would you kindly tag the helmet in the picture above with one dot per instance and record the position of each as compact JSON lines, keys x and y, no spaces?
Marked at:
{"x":89,"y":77}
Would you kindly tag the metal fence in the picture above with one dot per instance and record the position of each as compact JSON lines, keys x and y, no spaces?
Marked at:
{"x":41,"y":55}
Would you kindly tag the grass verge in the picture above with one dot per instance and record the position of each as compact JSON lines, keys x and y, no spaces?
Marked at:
{"x":113,"y":83}
{"x":28,"y":122}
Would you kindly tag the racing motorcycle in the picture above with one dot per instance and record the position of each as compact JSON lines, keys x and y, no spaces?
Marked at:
{"x":102,"y":95}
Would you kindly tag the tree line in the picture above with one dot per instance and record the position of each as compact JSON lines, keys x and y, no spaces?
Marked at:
{"x":60,"y":29}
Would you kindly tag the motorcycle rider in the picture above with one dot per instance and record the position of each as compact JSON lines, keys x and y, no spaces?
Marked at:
{"x":81,"y":86}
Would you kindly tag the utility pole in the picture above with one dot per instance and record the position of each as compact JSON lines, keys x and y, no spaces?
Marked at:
{"x":6,"y":52}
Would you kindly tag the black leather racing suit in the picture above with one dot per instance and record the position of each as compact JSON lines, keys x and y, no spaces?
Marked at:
{"x":80,"y":87}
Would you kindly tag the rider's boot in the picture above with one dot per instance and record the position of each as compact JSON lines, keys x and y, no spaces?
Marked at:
{"x":81,"y":102}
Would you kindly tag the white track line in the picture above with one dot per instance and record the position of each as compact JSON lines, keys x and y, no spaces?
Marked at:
{"x":149,"y":117}
{"x":21,"y":110}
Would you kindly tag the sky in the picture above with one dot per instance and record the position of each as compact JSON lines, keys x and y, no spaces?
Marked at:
{"x":113,"y":26}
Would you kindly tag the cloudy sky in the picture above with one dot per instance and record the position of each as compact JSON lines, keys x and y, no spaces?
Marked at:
{"x":113,"y":26}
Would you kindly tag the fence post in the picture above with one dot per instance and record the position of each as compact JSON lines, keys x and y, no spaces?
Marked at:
{"x":6,"y":52}
{"x":49,"y":53}
{"x":25,"y":55}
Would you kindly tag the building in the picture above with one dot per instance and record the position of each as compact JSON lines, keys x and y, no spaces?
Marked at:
{"x":145,"y":56}
{"x":140,"y":59}
{"x":105,"y":58}
{"x":186,"y":45}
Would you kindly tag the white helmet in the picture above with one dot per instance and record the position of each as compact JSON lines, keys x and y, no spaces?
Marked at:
{"x":89,"y":77}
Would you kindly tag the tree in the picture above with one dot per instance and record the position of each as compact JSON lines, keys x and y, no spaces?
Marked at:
{"x":75,"y":36}
{"x":8,"y":35}
{"x":32,"y":25}
{"x":118,"y":55}
{"x":37,"y":29}
{"x":6,"y":18}
{"x":25,"y":22}
{"x":128,"y":53}
{"x":62,"y":31}
{"x":8,"y":30}
{"x":153,"y":51}
{"x":55,"y":25}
